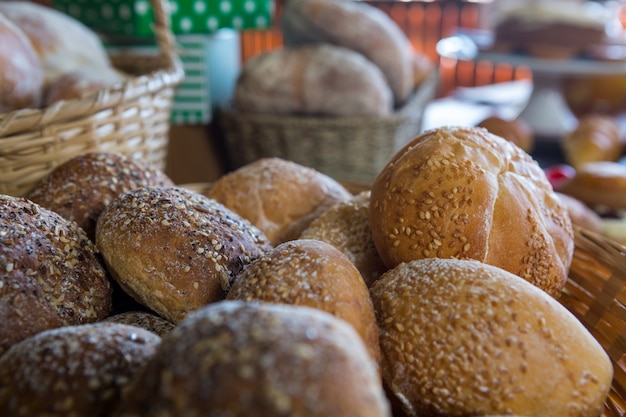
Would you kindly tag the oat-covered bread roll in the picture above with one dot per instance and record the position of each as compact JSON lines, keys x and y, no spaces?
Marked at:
{"x":356,"y":26}
{"x":242,"y":359}
{"x":322,"y":80}
{"x":456,"y":192}
{"x":313,"y":274}
{"x":463,"y":338}
{"x":174,"y":250}
{"x":50,"y":273}
{"x":346,"y":226}
{"x":596,"y":138}
{"x":73,"y":371}
{"x":81,"y":187}
{"x":279,"y":197}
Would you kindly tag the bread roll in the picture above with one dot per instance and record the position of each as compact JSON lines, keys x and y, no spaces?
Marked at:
{"x":174,"y":250}
{"x":50,"y":273}
{"x":360,"y":27}
{"x":21,"y":78}
{"x":314,"y":274}
{"x":73,"y":371}
{"x":596,"y":138}
{"x":516,"y":131}
{"x":581,"y":214}
{"x":81,"y":187}
{"x":460,"y":337}
{"x":320,"y":80}
{"x":457,"y":192}
{"x":279,"y":197}
{"x":144,"y":320}
{"x":598,"y":184}
{"x":258,"y":360}
{"x":62,"y":42}
{"x":346,"y":226}
{"x":81,"y":83}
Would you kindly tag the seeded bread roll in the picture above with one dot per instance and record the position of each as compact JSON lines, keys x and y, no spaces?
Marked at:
{"x":73,"y":371}
{"x":174,"y":250}
{"x":80,"y":188}
{"x":356,"y":26}
{"x":279,"y":197}
{"x":144,"y":320}
{"x":346,"y":226}
{"x":457,"y":192}
{"x":598,"y":184}
{"x":50,"y":273}
{"x":313,"y":274}
{"x":460,"y":337}
{"x":258,"y":360}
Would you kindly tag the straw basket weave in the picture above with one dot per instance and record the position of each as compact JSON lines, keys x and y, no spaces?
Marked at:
{"x":131,"y":118}
{"x":346,"y":148}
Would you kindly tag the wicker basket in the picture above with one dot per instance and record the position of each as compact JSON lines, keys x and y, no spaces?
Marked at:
{"x":346,"y":148}
{"x":131,"y":118}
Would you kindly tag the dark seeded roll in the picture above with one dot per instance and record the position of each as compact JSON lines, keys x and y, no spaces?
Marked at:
{"x":73,"y":371}
{"x":80,"y":188}
{"x":50,"y":273}
{"x":143,"y":319}
{"x":242,"y":359}
{"x":174,"y":250}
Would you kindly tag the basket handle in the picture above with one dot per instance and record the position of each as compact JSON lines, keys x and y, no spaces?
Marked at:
{"x":163,"y":32}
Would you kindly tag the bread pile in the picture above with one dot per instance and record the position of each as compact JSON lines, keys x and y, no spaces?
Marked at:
{"x":456,"y":314}
{"x":47,"y":56}
{"x":331,"y":65}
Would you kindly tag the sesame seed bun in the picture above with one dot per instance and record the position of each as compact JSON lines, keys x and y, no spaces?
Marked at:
{"x":314,"y":274}
{"x":50,"y":273}
{"x":252,"y":359}
{"x":460,"y":337}
{"x":457,"y":192}
{"x":174,"y":250}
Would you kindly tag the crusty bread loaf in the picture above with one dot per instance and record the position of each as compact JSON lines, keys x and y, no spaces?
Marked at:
{"x":598,"y":184}
{"x":517,"y":131}
{"x":279,"y":197}
{"x":346,"y":226}
{"x":596,"y":138}
{"x":242,"y":359}
{"x":323,"y":80}
{"x":463,"y":338}
{"x":456,"y":192}
{"x":21,"y":75}
{"x":81,"y":187}
{"x":62,"y":42}
{"x":81,"y":83}
{"x":50,"y":273}
{"x":356,"y":26}
{"x":174,"y":250}
{"x":315,"y":274}
{"x":73,"y":371}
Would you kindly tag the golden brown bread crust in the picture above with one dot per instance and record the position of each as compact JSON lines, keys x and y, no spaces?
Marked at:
{"x":143,"y":319}
{"x":279,"y":197}
{"x":516,"y":131}
{"x":346,"y":226}
{"x":80,"y":188}
{"x":21,"y":78}
{"x":174,"y":250}
{"x":458,"y":192}
{"x":581,"y":214}
{"x":460,"y":337}
{"x":598,"y":184}
{"x":596,"y":138}
{"x":258,"y":360}
{"x":50,"y":273}
{"x":313,"y":274}
{"x":73,"y":371}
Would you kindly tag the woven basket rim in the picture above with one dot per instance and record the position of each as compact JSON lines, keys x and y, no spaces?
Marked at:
{"x":170,"y":74}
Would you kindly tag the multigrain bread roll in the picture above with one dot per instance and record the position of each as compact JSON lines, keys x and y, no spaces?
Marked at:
{"x":352,"y":25}
{"x":596,"y":138}
{"x":241,"y":359}
{"x":323,"y":80}
{"x":279,"y":197}
{"x":517,"y":131}
{"x":174,"y":250}
{"x":50,"y":273}
{"x":144,"y":320}
{"x":346,"y":226}
{"x":456,"y":192}
{"x":21,"y":78}
{"x":73,"y":371}
{"x":314,"y":274}
{"x":81,"y":187}
{"x":460,"y":337}
{"x":62,"y":43}
{"x":598,"y":184}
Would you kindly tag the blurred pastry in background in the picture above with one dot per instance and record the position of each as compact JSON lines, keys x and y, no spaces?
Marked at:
{"x":595,"y":138}
{"x":595,"y":94}
{"x":516,"y":131}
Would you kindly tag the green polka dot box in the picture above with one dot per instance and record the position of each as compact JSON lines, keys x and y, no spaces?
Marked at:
{"x":135,"y":17}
